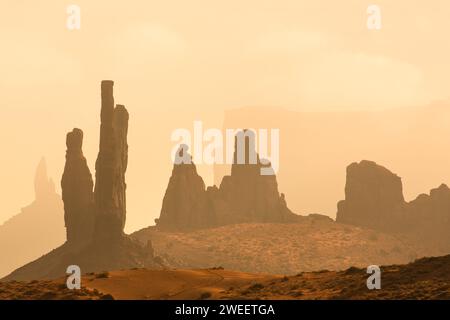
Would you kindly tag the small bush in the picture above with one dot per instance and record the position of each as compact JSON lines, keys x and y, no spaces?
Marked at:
{"x":205,"y":295}
{"x":256,"y":287}
{"x":103,"y":275}
{"x":296,"y":294}
{"x":217,"y":268}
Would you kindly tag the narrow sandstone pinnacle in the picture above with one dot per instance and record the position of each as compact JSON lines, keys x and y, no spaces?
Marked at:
{"x":111,"y":165}
{"x":43,"y":185}
{"x":74,"y":141}
{"x":77,"y":185}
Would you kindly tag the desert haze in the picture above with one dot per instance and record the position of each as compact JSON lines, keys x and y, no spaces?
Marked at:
{"x":89,"y":116}
{"x":181,"y":62}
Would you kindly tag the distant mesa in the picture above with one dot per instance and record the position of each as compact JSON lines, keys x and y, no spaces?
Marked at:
{"x":95,"y":218}
{"x":374,"y":199}
{"x":373,"y":196}
{"x":244,"y":196}
{"x":38,"y":228}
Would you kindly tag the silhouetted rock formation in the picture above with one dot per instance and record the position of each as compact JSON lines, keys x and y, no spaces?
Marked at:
{"x":373,"y":196}
{"x":111,"y":165}
{"x":184,"y":203}
{"x":428,"y":218}
{"x":37,"y":229}
{"x":44,"y":186}
{"x":244,"y":196}
{"x":77,"y":192}
{"x":251,"y":195}
{"x":374,"y":199}
{"x":95,"y":221}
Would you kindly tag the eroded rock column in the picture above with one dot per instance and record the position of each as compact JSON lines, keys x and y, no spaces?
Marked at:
{"x":77,"y":191}
{"x":111,"y":165}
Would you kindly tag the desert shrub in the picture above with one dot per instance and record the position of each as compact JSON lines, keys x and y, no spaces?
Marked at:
{"x":352,"y":270}
{"x":103,"y":275}
{"x":256,"y":287}
{"x":205,"y":295}
{"x":217,"y":268}
{"x":296,"y":294}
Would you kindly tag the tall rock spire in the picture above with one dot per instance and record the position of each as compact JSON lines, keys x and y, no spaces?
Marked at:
{"x":77,"y":191}
{"x":111,"y":165}
{"x":43,"y":186}
{"x":251,"y":196}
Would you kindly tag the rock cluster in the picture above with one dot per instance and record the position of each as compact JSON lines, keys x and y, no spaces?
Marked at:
{"x":374,"y":199}
{"x":95,"y":220}
{"x":244,"y":196}
{"x":98,"y":214}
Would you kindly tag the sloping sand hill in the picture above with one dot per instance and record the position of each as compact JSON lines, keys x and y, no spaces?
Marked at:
{"x":312,"y":244}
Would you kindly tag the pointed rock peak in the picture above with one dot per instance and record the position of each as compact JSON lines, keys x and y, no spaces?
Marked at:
{"x":107,"y":95}
{"x":52,"y":184}
{"x":441,"y":190}
{"x":41,"y":170}
{"x":245,"y":148}
{"x":182,"y":155}
{"x":43,"y":186}
{"x":111,"y":165}
{"x":443,"y":186}
{"x":74,"y":141}
{"x":121,"y":112}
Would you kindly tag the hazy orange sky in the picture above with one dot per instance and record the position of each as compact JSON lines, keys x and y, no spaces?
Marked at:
{"x":178,"y":61}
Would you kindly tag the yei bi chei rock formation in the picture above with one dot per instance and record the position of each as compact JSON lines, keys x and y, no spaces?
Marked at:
{"x":95,"y":216}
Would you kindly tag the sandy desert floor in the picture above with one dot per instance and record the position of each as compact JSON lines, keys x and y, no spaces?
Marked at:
{"x":427,"y":278}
